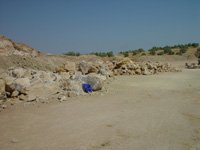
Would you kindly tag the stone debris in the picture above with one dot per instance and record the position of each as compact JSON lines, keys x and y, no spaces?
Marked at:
{"x":14,"y":140}
{"x":3,"y":106}
{"x":192,"y":66}
{"x":30,"y":86}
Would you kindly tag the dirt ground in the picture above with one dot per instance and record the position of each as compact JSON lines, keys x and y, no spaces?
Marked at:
{"x":156,"y":112}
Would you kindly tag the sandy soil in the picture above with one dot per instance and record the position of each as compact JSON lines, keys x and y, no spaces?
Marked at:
{"x":158,"y":112}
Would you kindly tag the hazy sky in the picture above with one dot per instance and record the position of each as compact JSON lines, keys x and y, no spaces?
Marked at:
{"x":58,"y":26}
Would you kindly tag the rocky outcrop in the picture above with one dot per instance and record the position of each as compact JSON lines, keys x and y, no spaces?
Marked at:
{"x":8,"y":48}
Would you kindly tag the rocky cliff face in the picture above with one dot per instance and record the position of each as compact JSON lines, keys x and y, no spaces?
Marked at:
{"x":9,"y":48}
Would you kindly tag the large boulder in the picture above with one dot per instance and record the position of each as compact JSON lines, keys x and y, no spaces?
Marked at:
{"x":19,"y":84}
{"x":15,"y":87}
{"x":42,"y":90}
{"x":96,"y":81}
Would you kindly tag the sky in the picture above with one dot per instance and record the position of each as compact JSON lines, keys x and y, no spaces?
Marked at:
{"x":85,"y":26}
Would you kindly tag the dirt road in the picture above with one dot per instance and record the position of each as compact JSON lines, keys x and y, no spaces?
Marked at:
{"x":157,"y":112}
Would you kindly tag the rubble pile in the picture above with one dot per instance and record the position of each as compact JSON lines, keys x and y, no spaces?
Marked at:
{"x":28,"y":85}
{"x":192,"y":65}
{"x":114,"y":68}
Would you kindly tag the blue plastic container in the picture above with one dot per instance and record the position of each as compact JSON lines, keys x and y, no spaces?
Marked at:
{"x":87,"y":88}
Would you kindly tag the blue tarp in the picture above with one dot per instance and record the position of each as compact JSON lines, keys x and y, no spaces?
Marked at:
{"x":87,"y":88}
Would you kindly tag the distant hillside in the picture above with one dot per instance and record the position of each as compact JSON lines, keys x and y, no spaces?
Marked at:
{"x":184,"y":51}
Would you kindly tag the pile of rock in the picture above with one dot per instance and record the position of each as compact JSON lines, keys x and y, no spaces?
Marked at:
{"x":114,"y":68}
{"x":192,"y":65}
{"x":28,"y":85}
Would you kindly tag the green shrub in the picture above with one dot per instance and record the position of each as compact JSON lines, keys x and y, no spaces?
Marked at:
{"x":167,"y":49}
{"x":171,"y":53}
{"x":126,"y":54}
{"x":195,"y":45}
{"x":70,"y":53}
{"x":78,"y":54}
{"x":135,"y":52}
{"x":143,"y":54}
{"x":179,"y":53}
{"x":110,"y":54}
{"x":152,"y":52}
{"x":160,"y":53}
{"x":189,"y":44}
{"x":183,"y":50}
{"x":103,"y":54}
{"x":140,"y":50}
{"x":197,"y":53}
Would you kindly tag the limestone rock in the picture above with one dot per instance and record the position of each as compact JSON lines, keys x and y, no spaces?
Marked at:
{"x":64,"y":75}
{"x":63,"y":98}
{"x":95,"y":81}
{"x":70,"y":66}
{"x":92,"y":69}
{"x":23,"y":81}
{"x":15,"y":94}
{"x":31,"y":97}
{"x":15,"y":87}
{"x":83,"y":67}
{"x":72,"y":94}
{"x":18,"y":72}
{"x":9,"y":80}
{"x":23,"y":97}
{"x":74,"y":85}
{"x":138,"y":71}
{"x":46,"y":76}
{"x":2,"y":88}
